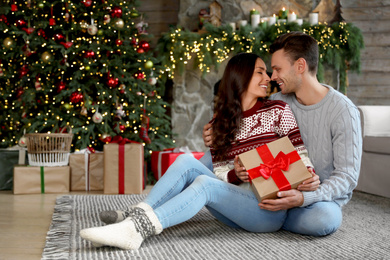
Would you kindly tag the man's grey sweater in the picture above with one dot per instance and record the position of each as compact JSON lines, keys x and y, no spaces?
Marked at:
{"x":331,"y":132}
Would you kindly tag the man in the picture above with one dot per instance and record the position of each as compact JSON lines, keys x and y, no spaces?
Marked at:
{"x":330,"y":128}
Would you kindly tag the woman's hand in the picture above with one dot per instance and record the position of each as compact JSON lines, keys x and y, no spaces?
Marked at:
{"x":310,"y":184}
{"x":207,"y":135}
{"x":240,"y":170}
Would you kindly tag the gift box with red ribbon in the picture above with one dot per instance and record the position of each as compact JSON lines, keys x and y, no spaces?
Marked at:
{"x":123,"y":167}
{"x":161,"y":160}
{"x":41,"y":179}
{"x":274,"y":167}
{"x":86,"y":170}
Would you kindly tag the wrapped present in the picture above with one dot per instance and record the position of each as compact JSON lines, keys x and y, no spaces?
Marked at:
{"x":86,"y":170}
{"x":41,"y":179}
{"x":274,"y":167}
{"x":123,"y":168}
{"x":161,"y":160}
{"x":8,"y":159}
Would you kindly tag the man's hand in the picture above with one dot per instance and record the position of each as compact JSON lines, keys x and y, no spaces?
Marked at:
{"x":207,"y":135}
{"x":240,"y":170}
{"x":287,"y":200}
{"x":310,"y":184}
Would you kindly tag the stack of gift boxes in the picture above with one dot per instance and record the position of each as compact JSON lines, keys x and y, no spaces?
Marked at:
{"x":119,"y":169}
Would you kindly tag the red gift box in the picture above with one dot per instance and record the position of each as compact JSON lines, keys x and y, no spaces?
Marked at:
{"x":161,"y":160}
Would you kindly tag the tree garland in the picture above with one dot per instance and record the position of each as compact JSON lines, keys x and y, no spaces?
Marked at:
{"x":339,"y":46}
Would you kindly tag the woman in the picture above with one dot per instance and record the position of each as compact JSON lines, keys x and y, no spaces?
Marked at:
{"x":243,"y":121}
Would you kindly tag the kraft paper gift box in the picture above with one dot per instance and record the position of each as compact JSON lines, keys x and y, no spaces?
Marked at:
{"x":123,"y":168}
{"x":161,"y":160}
{"x":36,"y":179}
{"x":8,"y":159}
{"x":86,"y":171}
{"x":274,"y":167}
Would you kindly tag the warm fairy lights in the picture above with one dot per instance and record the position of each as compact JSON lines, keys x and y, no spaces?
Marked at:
{"x":336,"y":45}
{"x":114,"y":56}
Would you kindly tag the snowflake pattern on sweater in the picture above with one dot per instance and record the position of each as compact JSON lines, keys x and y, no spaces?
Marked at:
{"x":265,"y":122}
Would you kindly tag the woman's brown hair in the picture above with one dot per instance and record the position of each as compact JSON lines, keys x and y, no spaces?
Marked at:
{"x":228,"y":111}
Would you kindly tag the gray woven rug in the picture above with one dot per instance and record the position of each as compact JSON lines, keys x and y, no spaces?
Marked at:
{"x":364,"y":234}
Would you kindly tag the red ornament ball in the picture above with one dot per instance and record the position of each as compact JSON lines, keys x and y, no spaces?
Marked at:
{"x":76,"y":97}
{"x":61,"y":86}
{"x":139,"y":75}
{"x":112,"y":82}
{"x":42,"y":33}
{"x":4,"y":19}
{"x":87,"y":3}
{"x":89,"y":54}
{"x":116,"y":12}
{"x":144,"y":45}
{"x":118,"y":42}
{"x":59,"y":37}
{"x":20,"y":23}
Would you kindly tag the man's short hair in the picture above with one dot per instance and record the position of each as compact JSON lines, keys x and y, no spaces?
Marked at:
{"x":298,"y":45}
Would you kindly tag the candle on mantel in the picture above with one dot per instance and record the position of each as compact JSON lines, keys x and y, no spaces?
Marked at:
{"x":255,"y":18}
{"x":233,"y":25}
{"x":313,"y":18}
{"x":264,"y":23}
{"x":272,"y":20}
{"x":242,"y":23}
{"x":283,"y":13}
{"x":299,"y":21}
{"x":292,"y":17}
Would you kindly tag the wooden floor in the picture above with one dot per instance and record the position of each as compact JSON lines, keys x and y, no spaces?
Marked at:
{"x":24,"y":222}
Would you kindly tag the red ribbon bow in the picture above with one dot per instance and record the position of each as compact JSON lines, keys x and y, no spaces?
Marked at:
{"x":274,"y":166}
{"x":281,"y":162}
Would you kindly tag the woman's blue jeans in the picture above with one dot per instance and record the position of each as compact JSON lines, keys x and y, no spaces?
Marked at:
{"x":189,"y":185}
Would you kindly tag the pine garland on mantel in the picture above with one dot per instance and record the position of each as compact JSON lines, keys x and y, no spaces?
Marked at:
{"x":339,"y":46}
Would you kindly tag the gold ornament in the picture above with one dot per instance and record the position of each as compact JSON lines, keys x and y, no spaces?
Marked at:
{"x":46,"y":56}
{"x":67,"y":106}
{"x":8,"y":42}
{"x":119,"y":23}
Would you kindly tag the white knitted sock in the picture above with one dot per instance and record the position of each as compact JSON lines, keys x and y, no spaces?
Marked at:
{"x":128,"y":234}
{"x":116,"y":216}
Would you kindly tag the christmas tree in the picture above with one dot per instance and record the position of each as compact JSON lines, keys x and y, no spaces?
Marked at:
{"x":84,"y":64}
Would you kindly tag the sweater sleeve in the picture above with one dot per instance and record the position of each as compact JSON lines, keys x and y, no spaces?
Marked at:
{"x":225,"y":171}
{"x":347,"y":150}
{"x":221,"y":170}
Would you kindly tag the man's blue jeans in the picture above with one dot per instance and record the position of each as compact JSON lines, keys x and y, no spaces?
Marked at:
{"x":189,"y":185}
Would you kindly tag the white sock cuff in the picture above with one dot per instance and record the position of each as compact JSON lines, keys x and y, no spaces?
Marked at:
{"x":144,"y":206}
{"x":155,"y":222}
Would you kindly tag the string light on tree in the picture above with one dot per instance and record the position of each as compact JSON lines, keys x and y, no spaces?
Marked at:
{"x":63,"y":64}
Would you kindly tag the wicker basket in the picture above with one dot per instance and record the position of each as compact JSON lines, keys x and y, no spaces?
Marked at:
{"x":49,"y":149}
